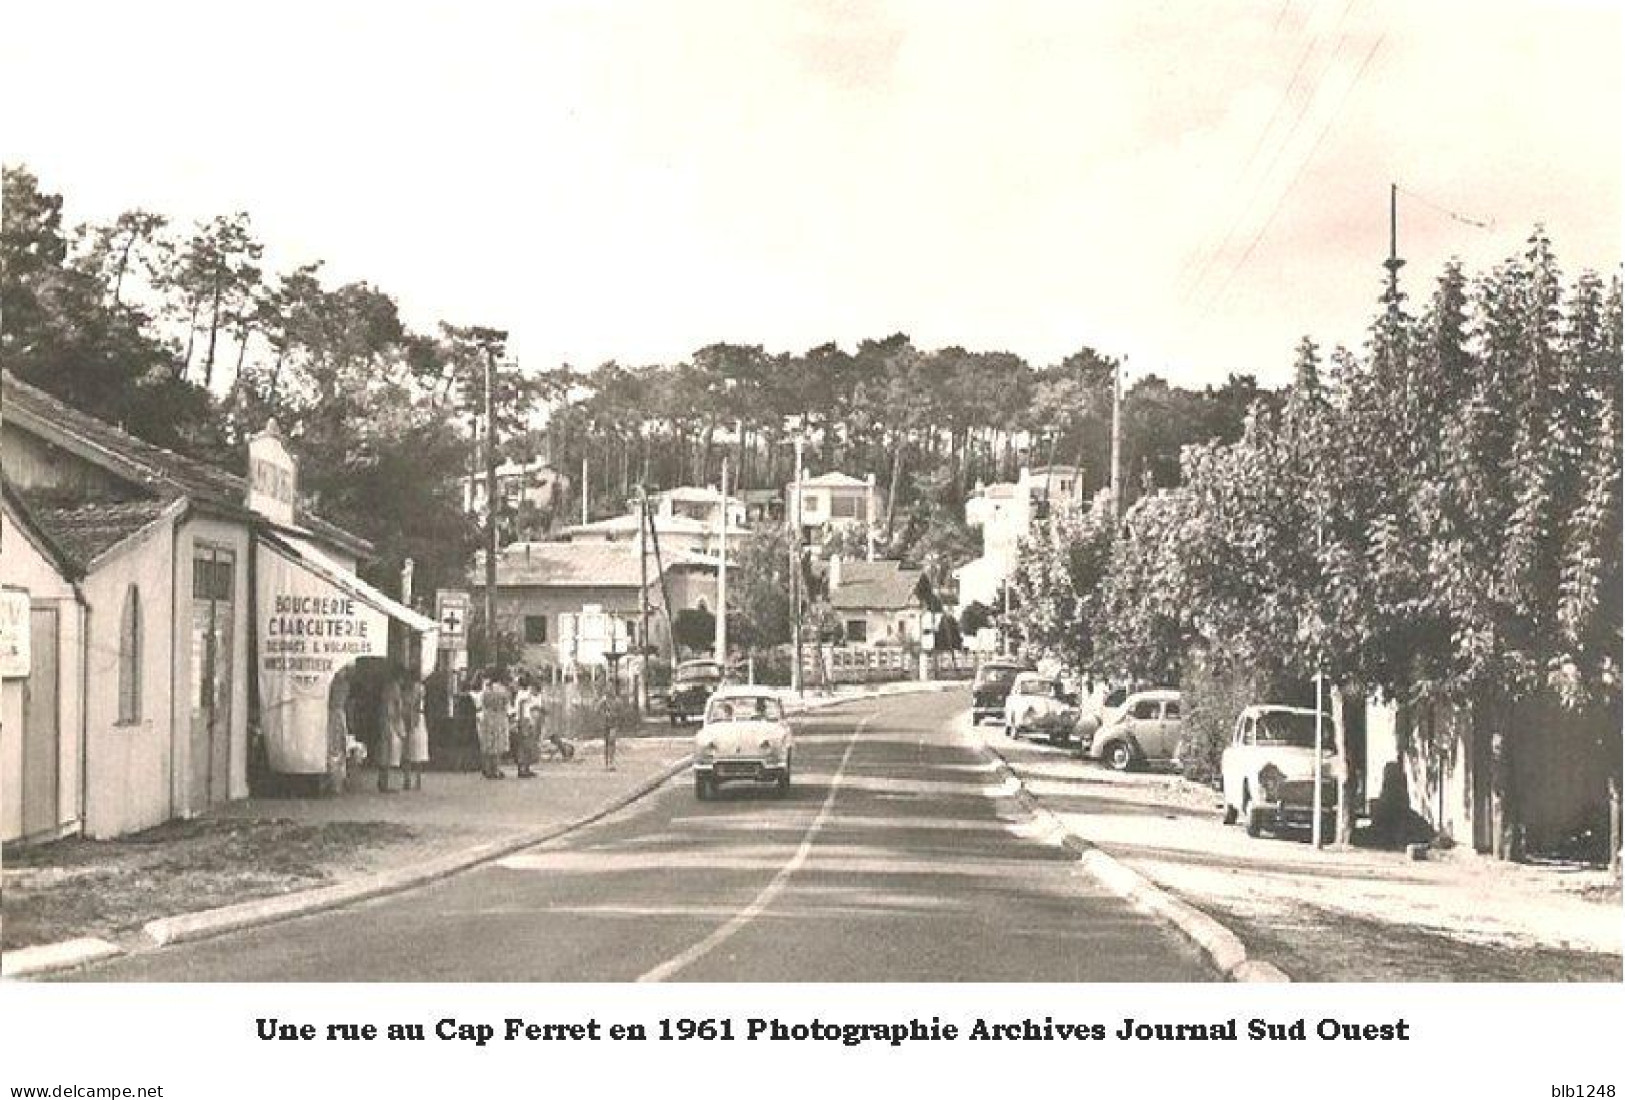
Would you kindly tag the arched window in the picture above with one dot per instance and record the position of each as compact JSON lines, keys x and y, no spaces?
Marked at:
{"x":129,"y":659}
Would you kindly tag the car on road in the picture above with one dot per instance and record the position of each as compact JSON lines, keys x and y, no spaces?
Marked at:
{"x":1039,"y":705}
{"x":745,"y":738}
{"x":1269,"y":770}
{"x":692,"y":684}
{"x":992,"y":686}
{"x":1147,"y":728}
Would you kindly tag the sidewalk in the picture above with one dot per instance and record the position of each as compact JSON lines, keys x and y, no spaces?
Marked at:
{"x":263,"y":859}
{"x":1335,"y":915}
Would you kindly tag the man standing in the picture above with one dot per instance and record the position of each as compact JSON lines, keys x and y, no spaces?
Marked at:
{"x":494,"y":702}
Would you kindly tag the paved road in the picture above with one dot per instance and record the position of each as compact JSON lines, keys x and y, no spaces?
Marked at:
{"x":894,"y":858}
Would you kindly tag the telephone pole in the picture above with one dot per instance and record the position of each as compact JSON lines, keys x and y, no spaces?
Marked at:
{"x":490,"y":512}
{"x":722,"y":573}
{"x":1393,"y":263}
{"x":1117,"y":439}
{"x":795,"y":578}
{"x":643,"y":598}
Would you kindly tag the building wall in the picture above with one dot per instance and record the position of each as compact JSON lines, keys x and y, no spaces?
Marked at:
{"x":23,"y":567}
{"x":193,"y":533}
{"x":892,"y":627}
{"x":128,"y":768}
{"x":1561,"y":768}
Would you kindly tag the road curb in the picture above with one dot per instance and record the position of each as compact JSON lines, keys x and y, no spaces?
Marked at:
{"x":48,"y":958}
{"x":205,"y":924}
{"x":1222,"y":946}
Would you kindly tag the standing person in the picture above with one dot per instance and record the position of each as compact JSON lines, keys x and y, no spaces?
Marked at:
{"x":528,"y":738}
{"x":338,"y":730}
{"x":417,"y":732}
{"x":391,"y":729}
{"x":494,"y":702}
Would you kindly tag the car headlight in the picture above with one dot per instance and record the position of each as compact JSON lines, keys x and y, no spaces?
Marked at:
{"x":770,"y":748}
{"x":707,"y":751}
{"x":1269,"y":781}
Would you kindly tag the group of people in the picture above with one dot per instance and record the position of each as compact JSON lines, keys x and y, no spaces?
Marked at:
{"x":511,"y":717}
{"x":403,"y":734}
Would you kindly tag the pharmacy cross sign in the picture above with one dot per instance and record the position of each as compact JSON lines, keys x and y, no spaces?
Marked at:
{"x":451,"y":607}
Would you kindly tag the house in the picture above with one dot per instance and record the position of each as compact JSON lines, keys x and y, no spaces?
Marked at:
{"x":556,"y":596}
{"x":210,"y":602}
{"x":880,"y":602}
{"x":42,"y":651}
{"x":535,"y":483}
{"x":685,"y":519}
{"x":829,"y":502}
{"x":1005,"y":513}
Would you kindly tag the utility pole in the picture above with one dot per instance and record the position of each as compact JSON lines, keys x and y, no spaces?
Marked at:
{"x":643,"y":599}
{"x":795,"y":576}
{"x":583,"y":487}
{"x":1393,"y":263}
{"x":722,"y":573}
{"x":490,"y":511}
{"x":1117,"y":440}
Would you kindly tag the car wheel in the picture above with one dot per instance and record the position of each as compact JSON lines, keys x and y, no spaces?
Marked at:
{"x":1253,"y":820}
{"x":702,"y":787}
{"x":1230,"y":814}
{"x":1120,"y":757}
{"x":783,"y":784}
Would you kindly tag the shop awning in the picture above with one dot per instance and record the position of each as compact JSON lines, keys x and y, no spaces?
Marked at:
{"x":351,"y":585}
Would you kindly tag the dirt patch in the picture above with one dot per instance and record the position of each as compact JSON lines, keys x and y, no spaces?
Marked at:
{"x":79,"y":887}
{"x":1317,"y":944}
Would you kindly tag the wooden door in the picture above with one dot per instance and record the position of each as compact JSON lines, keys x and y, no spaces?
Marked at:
{"x":42,"y":725}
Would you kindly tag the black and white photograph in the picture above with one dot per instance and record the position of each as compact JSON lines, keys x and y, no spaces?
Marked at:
{"x":864,"y":493}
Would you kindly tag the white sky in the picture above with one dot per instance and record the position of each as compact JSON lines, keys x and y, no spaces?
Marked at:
{"x":1194,"y":185}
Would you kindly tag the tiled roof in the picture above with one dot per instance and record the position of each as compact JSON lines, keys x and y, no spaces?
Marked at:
{"x":575,"y":565}
{"x":159,"y":472}
{"x":834,"y":480}
{"x":86,"y":528}
{"x":875,"y":586}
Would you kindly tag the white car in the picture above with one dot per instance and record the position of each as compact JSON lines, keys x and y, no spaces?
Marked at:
{"x":1038,"y":704}
{"x":1269,"y":770}
{"x":744,"y":739}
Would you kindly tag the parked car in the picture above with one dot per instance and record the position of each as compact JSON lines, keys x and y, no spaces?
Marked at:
{"x":1040,"y":705}
{"x":992,"y":685}
{"x":692,"y":684}
{"x":1269,"y":771}
{"x":744,"y":739}
{"x":1145,"y":729}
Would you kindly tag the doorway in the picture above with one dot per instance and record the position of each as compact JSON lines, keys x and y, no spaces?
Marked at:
{"x":42,"y":725}
{"x":214,"y":571}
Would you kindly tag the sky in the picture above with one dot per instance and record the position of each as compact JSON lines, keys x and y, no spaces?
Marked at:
{"x":1191,"y":185}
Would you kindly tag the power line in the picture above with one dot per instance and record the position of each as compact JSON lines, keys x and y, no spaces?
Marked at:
{"x":1476,"y":223}
{"x":1229,"y":283}
{"x":1259,"y":185}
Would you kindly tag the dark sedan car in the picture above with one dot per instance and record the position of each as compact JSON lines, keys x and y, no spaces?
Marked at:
{"x":992,"y":687}
{"x":692,"y":684}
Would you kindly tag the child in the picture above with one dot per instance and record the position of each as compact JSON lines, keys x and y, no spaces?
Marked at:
{"x":527,"y":741}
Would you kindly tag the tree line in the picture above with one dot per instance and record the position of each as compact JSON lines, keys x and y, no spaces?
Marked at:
{"x":185,"y":337}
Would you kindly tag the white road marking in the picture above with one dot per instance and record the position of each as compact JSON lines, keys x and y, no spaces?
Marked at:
{"x":769,"y":892}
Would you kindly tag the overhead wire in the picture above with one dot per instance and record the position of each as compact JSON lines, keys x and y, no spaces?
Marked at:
{"x":1258,"y":186}
{"x":1264,"y":229}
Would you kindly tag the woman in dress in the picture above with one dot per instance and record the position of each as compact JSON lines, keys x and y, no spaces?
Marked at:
{"x":391,"y":730}
{"x":494,"y":702}
{"x":417,"y":733}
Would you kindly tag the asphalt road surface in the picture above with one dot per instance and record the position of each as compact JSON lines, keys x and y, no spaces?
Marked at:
{"x":895,"y":857}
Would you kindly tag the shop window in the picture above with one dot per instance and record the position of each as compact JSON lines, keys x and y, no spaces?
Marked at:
{"x":535,"y":629}
{"x":129,"y":659}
